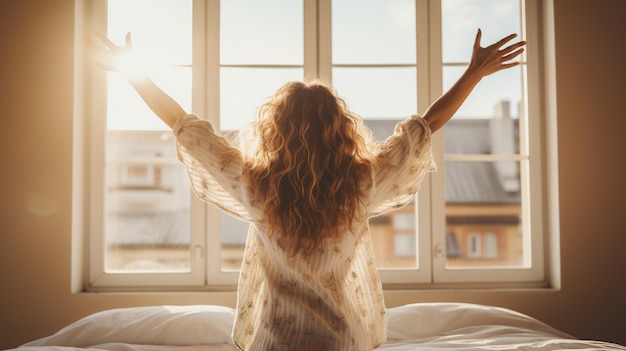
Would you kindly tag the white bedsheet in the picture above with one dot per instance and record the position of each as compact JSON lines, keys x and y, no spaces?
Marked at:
{"x":423,"y":326}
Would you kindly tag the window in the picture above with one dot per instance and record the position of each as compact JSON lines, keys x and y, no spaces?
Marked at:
{"x":491,"y":245}
{"x":474,"y":246}
{"x":404,"y":238}
{"x":388,"y":60}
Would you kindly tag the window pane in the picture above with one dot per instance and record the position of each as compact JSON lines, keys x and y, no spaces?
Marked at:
{"x":404,"y":222}
{"x":233,"y":238}
{"x":483,"y":214}
{"x":147,"y":196}
{"x":394,"y":238}
{"x":485,"y":98}
{"x":147,"y":203}
{"x":390,"y":232}
{"x":373,"y":31}
{"x":238,"y":105}
{"x":378,"y":93}
{"x":237,"y":108}
{"x":261,"y":32}
{"x":461,"y":19}
{"x":488,"y":123}
{"x":152,"y":39}
{"x":404,"y":245}
{"x":126,"y":110}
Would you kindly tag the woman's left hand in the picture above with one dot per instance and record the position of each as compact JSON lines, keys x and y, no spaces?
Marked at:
{"x":491,"y":59}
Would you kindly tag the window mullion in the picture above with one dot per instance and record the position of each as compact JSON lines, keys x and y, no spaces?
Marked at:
{"x":209,"y":58}
{"x":428,"y":52}
{"x":324,"y":41}
{"x":311,"y":39}
{"x":201,"y":45}
{"x":210,"y":215}
{"x":436,"y":204}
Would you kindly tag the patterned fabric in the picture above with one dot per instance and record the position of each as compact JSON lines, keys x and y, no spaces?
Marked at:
{"x":329,"y":300}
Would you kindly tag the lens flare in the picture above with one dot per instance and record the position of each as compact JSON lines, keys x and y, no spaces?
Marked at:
{"x":40,"y":205}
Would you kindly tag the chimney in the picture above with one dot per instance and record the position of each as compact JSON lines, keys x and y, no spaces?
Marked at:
{"x":502,"y":133}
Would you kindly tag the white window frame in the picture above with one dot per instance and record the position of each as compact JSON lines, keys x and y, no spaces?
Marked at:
{"x":532,"y":176}
{"x":98,"y":277}
{"x":432,"y":272}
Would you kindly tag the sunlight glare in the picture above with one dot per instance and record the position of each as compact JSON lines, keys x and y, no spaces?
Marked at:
{"x":161,"y":52}
{"x":130,"y":64}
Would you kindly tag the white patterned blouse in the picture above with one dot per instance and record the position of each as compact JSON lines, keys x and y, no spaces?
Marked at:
{"x":330,"y":300}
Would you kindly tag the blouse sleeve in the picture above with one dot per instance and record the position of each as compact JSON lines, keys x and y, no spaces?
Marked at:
{"x":400,"y":166}
{"x":214,"y":167}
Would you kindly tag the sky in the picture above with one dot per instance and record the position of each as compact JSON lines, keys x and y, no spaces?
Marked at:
{"x":365,"y":32}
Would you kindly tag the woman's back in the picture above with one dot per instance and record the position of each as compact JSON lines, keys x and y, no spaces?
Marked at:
{"x":308,"y":164}
{"x":325,"y":298}
{"x":330,"y":299}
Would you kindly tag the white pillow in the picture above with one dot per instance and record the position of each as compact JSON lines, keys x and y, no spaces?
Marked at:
{"x":428,"y":320}
{"x":154,"y":325}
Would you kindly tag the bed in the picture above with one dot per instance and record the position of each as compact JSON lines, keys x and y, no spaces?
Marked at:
{"x":420,"y":326}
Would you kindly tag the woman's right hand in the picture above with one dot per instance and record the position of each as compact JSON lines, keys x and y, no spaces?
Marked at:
{"x":117,"y":58}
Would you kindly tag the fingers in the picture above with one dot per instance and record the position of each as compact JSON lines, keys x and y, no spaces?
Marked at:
{"x":107,"y":42}
{"x":512,"y":55}
{"x":513,"y":47}
{"x":104,"y":51}
{"x":499,"y":43}
{"x":504,"y":40}
{"x":512,"y":51}
{"x":110,"y":45}
{"x":509,"y":65}
{"x":97,"y":47}
{"x":477,"y":40}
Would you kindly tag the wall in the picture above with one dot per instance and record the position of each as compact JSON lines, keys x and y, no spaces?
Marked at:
{"x":36,"y":41}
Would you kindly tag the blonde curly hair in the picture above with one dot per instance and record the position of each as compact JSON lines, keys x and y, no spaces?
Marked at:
{"x":308,"y":165}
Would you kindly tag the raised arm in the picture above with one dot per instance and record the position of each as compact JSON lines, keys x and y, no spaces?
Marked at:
{"x":484,"y":62}
{"x":116,"y":58}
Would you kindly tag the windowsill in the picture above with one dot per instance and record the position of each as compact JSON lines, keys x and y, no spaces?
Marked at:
{"x":387,"y":288}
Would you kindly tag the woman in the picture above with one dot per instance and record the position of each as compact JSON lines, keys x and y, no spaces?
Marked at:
{"x":307,"y":177}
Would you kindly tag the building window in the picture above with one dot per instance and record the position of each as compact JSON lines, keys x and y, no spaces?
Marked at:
{"x":388,"y":60}
{"x":491,"y":245}
{"x":452,"y":246}
{"x":404,"y":236}
{"x":474,"y":246}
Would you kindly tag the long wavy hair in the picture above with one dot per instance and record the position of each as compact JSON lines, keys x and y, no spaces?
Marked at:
{"x":308,"y":164}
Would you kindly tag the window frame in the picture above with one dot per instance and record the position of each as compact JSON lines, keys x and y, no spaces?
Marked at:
{"x":431,"y":233}
{"x":98,"y":278}
{"x":533,"y":174}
